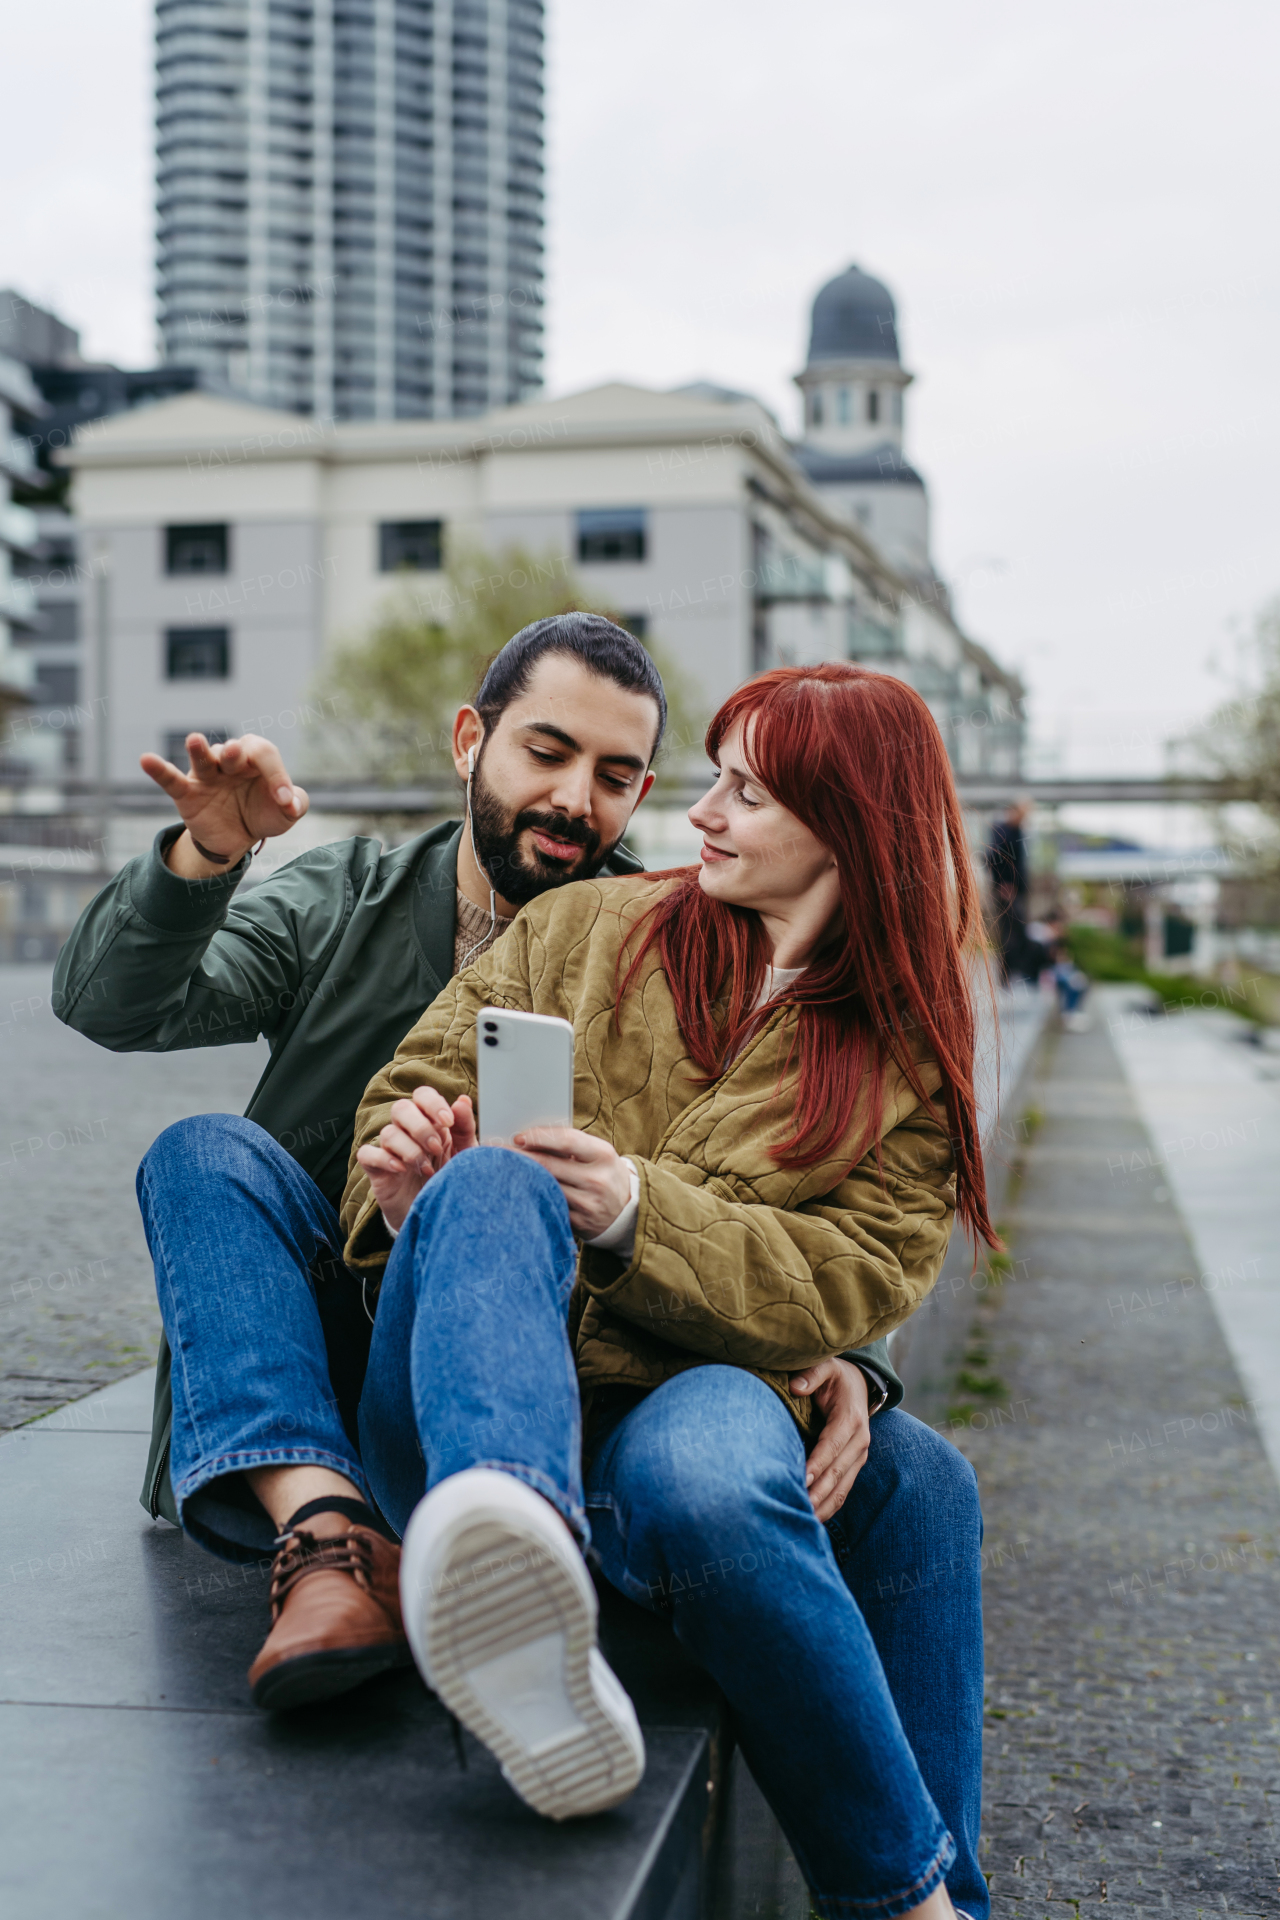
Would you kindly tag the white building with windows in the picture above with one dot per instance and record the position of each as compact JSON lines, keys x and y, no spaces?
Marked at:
{"x":239,"y":544}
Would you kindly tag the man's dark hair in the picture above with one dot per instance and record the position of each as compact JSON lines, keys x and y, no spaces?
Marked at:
{"x":601,"y":646}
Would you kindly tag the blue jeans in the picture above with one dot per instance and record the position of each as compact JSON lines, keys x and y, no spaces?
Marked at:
{"x":851,"y":1654}
{"x":1071,"y":985}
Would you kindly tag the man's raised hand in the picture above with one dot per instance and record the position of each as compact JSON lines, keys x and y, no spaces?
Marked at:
{"x":235,"y":795}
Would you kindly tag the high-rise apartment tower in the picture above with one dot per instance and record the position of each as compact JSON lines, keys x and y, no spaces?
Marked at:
{"x":350,"y":201}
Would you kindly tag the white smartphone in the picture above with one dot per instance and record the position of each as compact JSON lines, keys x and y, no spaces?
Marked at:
{"x":524,"y":1070}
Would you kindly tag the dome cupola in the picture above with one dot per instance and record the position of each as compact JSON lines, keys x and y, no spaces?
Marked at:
{"x":854,"y":319}
{"x":854,"y":380}
{"x":854,"y":385}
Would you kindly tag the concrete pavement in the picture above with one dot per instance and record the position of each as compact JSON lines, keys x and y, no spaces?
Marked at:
{"x":1132,"y":1594}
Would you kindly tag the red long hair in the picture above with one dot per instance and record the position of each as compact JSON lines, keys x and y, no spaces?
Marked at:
{"x":855,"y":756}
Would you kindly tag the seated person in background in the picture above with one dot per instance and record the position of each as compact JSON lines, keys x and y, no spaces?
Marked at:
{"x":774,"y":1079}
{"x":1071,"y":984}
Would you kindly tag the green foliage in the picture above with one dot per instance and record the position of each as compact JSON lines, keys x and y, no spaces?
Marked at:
{"x":388,"y":699}
{"x":1106,"y":956}
{"x":1118,"y":957}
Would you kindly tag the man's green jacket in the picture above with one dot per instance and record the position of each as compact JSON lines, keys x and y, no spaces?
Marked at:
{"x":332,"y":960}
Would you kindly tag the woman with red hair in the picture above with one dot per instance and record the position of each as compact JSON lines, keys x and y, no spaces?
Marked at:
{"x":774,"y":1090}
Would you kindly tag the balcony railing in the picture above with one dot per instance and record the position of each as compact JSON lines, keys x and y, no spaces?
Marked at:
{"x":18,"y":603}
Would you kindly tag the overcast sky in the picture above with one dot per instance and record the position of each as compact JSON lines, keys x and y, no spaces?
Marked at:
{"x":1075,"y":208}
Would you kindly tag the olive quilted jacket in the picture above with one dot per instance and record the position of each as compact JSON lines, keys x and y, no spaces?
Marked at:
{"x":736,"y":1259}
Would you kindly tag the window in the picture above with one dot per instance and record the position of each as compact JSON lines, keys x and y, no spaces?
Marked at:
{"x":815,"y":409}
{"x":197,"y":653}
{"x":897,"y":406}
{"x":57,"y":686}
{"x":415,"y":544}
{"x":195,"y":549}
{"x":844,"y":411}
{"x":873,"y":404}
{"x":61,"y":620}
{"x":635,"y":623}
{"x":175,"y":744}
{"x":611,"y":533}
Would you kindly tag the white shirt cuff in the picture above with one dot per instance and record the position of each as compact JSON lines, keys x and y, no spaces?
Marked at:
{"x":393,"y":1231}
{"x":620,"y":1236}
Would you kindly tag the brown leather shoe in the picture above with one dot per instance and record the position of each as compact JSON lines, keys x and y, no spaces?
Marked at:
{"x":335,"y":1612}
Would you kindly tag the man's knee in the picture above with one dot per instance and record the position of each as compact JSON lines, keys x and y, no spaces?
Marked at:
{"x":212,"y":1145}
{"x":725,"y":1467}
{"x":200,"y":1138}
{"x":917,"y":1469}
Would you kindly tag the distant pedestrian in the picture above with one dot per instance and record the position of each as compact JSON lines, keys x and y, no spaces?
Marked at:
{"x":1006,"y":862}
{"x":1071,"y":983}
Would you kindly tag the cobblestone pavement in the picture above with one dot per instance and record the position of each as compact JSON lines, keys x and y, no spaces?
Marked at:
{"x":1132,"y":1591}
{"x":77,"y":1302}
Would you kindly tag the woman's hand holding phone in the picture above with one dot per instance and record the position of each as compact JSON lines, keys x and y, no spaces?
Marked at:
{"x":593,"y":1178}
{"x":422,"y":1135}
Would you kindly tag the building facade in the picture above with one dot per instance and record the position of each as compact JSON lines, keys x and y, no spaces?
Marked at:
{"x":241,"y":544}
{"x":19,"y":407}
{"x":350,"y":201}
{"x":52,"y":577}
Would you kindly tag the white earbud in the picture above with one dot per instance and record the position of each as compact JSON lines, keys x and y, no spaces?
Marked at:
{"x":493,"y":907}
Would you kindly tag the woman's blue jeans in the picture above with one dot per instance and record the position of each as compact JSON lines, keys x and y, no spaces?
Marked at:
{"x":851,"y":1654}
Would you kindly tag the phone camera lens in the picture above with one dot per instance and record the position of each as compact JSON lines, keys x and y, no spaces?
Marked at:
{"x":488,"y":1042}
{"x":491,"y":1026}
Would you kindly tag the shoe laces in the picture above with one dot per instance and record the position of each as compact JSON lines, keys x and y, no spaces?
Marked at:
{"x":300,"y":1553}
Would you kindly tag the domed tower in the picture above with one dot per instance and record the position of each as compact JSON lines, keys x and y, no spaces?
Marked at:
{"x":853,"y":389}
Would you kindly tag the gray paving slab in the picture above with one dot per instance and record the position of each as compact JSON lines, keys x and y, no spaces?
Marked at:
{"x":77,"y":1300}
{"x":1132,"y":1583}
{"x":123,"y":1407}
{"x":137,"y":1778}
{"x":361,"y":1810}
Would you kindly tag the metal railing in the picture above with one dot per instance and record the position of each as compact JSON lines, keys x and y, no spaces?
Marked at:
{"x":979,"y":790}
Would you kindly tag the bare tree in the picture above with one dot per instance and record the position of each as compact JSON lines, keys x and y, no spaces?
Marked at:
{"x":1240,"y":741}
{"x":388,"y":699}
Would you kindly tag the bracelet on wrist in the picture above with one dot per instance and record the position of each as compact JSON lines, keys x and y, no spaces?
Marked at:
{"x":214,"y":859}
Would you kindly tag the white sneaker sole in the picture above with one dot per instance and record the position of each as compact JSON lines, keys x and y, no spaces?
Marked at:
{"x":501,"y":1615}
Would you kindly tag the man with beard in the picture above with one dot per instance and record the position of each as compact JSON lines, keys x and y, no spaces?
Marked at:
{"x":333,"y":959}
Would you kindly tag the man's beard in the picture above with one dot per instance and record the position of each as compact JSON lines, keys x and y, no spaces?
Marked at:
{"x":496,"y":838}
